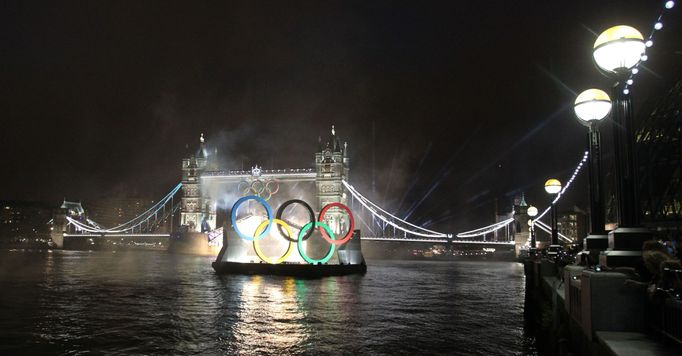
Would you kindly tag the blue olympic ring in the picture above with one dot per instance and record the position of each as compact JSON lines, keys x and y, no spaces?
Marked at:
{"x":234,"y":217}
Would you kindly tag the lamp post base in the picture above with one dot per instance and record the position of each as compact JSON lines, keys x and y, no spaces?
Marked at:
{"x":625,"y":247}
{"x":596,"y":242}
{"x":592,"y":246}
{"x":628,"y":238}
{"x":621,"y":259}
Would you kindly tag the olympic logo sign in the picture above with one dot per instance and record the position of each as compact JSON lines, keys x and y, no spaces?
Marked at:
{"x":262,"y":188}
{"x":285,"y":229}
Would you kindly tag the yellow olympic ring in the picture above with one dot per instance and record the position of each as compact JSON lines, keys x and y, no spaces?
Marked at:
{"x":256,"y":245}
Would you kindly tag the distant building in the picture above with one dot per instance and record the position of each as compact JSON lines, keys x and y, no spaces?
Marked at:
{"x":659,"y":160}
{"x":573,"y":224}
{"x":23,"y":218}
{"x":115,"y":211}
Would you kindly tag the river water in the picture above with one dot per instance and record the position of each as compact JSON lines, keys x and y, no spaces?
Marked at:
{"x":77,"y":302}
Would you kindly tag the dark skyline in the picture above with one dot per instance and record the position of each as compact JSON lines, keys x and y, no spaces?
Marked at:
{"x":471,"y":101}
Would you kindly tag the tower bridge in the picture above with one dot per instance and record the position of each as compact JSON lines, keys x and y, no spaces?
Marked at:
{"x":207,"y":192}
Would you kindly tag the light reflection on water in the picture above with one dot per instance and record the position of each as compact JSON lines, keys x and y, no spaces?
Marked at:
{"x":149,"y":302}
{"x":269,"y":318}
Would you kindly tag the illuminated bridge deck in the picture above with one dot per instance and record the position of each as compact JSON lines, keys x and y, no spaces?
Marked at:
{"x":444,"y":241}
{"x":291,"y":174}
{"x":368,"y":238}
{"x":117,"y":235}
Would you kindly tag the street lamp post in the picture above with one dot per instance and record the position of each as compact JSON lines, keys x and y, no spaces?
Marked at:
{"x":532,"y":212}
{"x":553,"y":187}
{"x":592,"y":106}
{"x":616,"y":52}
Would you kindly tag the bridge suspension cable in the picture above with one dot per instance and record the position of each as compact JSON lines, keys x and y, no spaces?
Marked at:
{"x":136,"y":222}
{"x":486,"y":229}
{"x":544,"y":227}
{"x":393,"y":220}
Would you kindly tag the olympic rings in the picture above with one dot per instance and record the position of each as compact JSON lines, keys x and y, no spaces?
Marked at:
{"x":280,"y":211}
{"x":244,"y":187}
{"x":259,"y":187}
{"x":269,"y":189}
{"x":259,"y":252}
{"x":234,"y":217}
{"x":307,"y":227}
{"x":305,"y":232}
{"x":349,"y":235}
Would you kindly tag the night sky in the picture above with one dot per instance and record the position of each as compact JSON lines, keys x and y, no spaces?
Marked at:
{"x":470,"y":101}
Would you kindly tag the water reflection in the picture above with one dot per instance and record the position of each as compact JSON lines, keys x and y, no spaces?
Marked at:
{"x":268,"y":318}
{"x":152,"y":303}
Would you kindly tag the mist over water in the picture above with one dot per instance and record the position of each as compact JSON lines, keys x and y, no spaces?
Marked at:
{"x":157,"y":303}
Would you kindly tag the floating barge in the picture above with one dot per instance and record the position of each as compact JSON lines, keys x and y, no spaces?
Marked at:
{"x":289,"y":269}
{"x":349,"y":260}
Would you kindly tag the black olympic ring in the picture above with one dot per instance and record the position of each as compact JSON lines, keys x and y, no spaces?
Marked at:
{"x":311,"y":214}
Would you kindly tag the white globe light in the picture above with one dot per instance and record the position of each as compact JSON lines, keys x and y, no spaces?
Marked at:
{"x":552,"y":186}
{"x":669,"y":4}
{"x":592,"y":105}
{"x":618,"y":49}
{"x":532,"y":211}
{"x":658,"y":25}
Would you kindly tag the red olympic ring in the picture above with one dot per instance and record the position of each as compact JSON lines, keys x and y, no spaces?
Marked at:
{"x":349,"y":235}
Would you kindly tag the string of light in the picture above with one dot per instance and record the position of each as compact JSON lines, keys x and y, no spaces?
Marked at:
{"x":658,"y":26}
{"x":568,"y":184}
{"x":493,"y":227}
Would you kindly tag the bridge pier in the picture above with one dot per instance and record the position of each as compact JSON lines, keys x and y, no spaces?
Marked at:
{"x":57,"y":238}
{"x":193,"y":243}
{"x":59,"y":226}
{"x":351,"y":251}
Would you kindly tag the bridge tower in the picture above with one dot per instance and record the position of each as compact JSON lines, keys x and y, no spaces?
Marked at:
{"x":520,"y":228}
{"x":331,"y":166}
{"x":192,"y":213}
{"x":59,"y":225}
